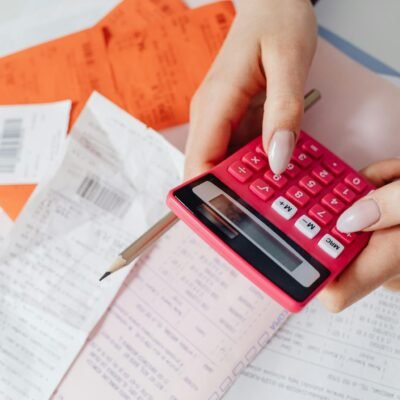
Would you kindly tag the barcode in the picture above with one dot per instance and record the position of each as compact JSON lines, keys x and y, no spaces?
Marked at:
{"x":10,"y":144}
{"x":104,"y":197}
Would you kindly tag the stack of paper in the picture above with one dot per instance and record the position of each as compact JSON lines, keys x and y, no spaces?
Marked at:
{"x":109,"y":189}
{"x":127,"y":57}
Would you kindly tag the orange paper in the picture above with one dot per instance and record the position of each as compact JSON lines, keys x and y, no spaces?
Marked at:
{"x":14,"y":197}
{"x":158,"y":69}
{"x":67,"y":68}
{"x":140,"y":56}
{"x":138,"y":13}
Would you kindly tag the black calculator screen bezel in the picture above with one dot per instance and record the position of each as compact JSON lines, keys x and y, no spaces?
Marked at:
{"x":248,"y":251}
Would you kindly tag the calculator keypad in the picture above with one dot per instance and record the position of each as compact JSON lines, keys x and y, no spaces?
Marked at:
{"x":313,"y":191}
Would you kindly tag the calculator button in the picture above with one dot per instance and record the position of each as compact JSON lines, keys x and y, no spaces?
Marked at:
{"x":355,"y":182}
{"x":262,"y":189}
{"x":311,"y":185}
{"x":345,"y":193}
{"x":284,"y":208}
{"x":331,"y":246}
{"x":292,"y":170}
{"x":260,"y":150}
{"x":307,"y":227}
{"x":313,"y":149}
{"x":323,"y":175}
{"x":298,"y":196}
{"x":301,"y":158}
{"x":278,"y":180}
{"x":333,"y":203}
{"x":344,"y":237}
{"x":320,"y":214}
{"x":240,"y":171}
{"x":254,"y":160}
{"x":334,"y":165}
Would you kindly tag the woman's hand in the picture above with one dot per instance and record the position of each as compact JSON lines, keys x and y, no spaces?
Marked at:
{"x":379,"y":262}
{"x":270,"y":45}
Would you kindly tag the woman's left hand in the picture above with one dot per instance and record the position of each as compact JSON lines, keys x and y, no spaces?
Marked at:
{"x":379,"y":263}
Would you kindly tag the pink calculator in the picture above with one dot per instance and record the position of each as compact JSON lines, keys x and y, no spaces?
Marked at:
{"x":277,"y":230}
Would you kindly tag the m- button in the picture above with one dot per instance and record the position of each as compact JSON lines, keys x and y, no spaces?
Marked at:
{"x":331,"y":246}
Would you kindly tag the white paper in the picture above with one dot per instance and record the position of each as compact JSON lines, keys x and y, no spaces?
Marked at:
{"x":183,"y":328}
{"x":32,"y":141}
{"x":6,"y":224}
{"x":316,"y":355}
{"x":98,"y":202}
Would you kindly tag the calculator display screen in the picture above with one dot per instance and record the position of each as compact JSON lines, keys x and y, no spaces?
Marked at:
{"x":252,"y":236}
{"x":255,"y":233}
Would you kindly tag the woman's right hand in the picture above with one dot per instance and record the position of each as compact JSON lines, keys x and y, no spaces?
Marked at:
{"x":270,"y":46}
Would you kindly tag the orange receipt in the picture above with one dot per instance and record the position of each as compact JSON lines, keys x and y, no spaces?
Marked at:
{"x":67,"y":68}
{"x":138,"y":13}
{"x":158,"y":69}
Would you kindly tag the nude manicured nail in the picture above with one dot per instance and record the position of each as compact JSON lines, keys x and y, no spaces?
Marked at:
{"x":280,"y":150}
{"x":359,"y":216}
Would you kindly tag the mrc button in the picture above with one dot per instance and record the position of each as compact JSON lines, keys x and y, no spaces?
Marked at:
{"x":331,"y":246}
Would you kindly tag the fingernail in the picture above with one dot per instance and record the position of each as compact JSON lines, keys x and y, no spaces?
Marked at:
{"x":280,"y":150}
{"x":359,"y":216}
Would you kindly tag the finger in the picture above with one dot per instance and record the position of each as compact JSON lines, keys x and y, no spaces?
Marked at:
{"x":378,"y":263}
{"x":380,"y":209}
{"x":219,"y":104}
{"x":383,"y":172}
{"x":286,"y":67}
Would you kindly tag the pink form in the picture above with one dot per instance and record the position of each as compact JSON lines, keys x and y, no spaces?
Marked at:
{"x":183,"y":327}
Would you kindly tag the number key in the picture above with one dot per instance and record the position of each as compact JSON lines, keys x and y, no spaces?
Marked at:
{"x":345,"y":193}
{"x":298,"y":196}
{"x":311,"y":185}
{"x":278,"y":180}
{"x":292,"y":170}
{"x":355,"y":182}
{"x":333,"y":203}
{"x":320,"y":214}
{"x":301,"y":158}
{"x":323,"y":175}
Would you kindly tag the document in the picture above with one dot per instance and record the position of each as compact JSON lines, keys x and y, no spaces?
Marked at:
{"x":183,"y":327}
{"x":6,"y":225}
{"x":67,"y":68}
{"x":100,"y":200}
{"x":171,"y":59}
{"x":32,"y":141}
{"x":138,"y":14}
{"x":316,"y":355}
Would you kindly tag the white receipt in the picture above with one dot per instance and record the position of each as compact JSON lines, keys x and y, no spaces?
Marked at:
{"x":184,"y":326}
{"x":6,"y":224}
{"x":98,"y":202}
{"x":32,"y":141}
{"x":316,"y":355}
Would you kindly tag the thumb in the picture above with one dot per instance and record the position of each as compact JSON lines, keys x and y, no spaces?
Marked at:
{"x":379,"y":209}
{"x":283,"y":111}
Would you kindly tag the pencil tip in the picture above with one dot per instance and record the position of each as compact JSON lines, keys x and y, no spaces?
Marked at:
{"x":105,"y":276}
